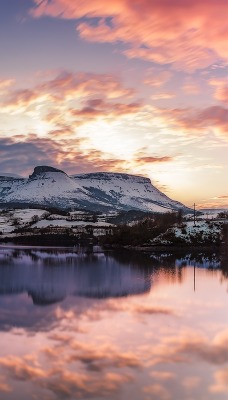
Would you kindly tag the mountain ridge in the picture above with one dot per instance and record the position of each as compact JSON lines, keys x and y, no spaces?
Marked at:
{"x":95,"y":191}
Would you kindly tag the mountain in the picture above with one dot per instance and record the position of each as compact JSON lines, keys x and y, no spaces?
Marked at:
{"x":101,"y":191}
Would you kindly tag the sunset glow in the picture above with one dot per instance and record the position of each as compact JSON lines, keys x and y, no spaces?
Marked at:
{"x":126,"y":86}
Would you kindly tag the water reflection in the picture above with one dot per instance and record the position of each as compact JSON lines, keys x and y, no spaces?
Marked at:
{"x":78,"y":325}
{"x":50,"y":276}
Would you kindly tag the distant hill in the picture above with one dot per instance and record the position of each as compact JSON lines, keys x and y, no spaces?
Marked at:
{"x":104,"y":191}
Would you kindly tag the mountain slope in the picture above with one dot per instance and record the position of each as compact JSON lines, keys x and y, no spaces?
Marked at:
{"x":104,"y":191}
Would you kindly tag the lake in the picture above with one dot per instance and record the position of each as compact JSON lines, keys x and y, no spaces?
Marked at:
{"x":83,"y":324}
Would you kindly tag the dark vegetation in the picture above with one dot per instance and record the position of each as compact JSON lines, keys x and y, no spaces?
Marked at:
{"x":49,"y":239}
{"x":143,"y":231}
{"x":223,"y":215}
{"x":125,"y":217}
{"x":133,"y":228}
{"x":51,"y":236}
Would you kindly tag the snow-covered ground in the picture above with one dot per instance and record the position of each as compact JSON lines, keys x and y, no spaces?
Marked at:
{"x":38,"y":218}
{"x":201,"y":232}
{"x":68,"y":224}
{"x":204,"y":230}
{"x":209,"y":213}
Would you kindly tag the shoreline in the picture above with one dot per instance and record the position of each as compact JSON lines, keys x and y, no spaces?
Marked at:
{"x":175,"y":248}
{"x":104,"y":248}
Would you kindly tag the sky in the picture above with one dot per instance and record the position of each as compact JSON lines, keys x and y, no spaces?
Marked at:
{"x":135,"y":86}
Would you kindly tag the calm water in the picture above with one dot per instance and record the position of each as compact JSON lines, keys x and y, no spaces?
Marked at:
{"x":112,"y":326}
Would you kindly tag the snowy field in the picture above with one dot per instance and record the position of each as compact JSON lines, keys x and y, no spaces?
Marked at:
{"x":38,"y":218}
{"x":205,"y":228}
{"x":203,"y":231}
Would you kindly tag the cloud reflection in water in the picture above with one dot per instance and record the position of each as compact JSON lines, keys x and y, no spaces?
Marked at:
{"x":110,"y":326}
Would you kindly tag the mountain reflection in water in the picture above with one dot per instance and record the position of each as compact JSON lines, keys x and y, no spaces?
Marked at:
{"x":50,"y":276}
{"x":78,"y":324}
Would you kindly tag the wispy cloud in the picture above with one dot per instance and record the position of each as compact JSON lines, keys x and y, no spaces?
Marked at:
{"x":66,"y":87}
{"x":143,"y":159}
{"x":22,"y":154}
{"x":221,"y":89}
{"x":5,"y":84}
{"x":192,"y":120}
{"x":156,"y":78}
{"x":160,"y":32}
{"x":163,"y":96}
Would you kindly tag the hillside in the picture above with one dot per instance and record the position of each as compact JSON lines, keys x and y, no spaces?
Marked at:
{"x":50,"y":187}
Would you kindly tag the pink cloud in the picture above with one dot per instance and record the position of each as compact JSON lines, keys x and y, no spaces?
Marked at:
{"x":163,"y":96}
{"x":190,"y":88}
{"x":99,"y":108}
{"x":191,"y":382}
{"x":4,"y":386}
{"x":221,"y":92}
{"x":162,"y":375}
{"x":21,"y":369}
{"x":5,"y":84}
{"x":198,"y":120}
{"x":61,"y":104}
{"x":65,"y":87}
{"x":157,"y":391}
{"x":221,"y":382}
{"x":60,"y":380}
{"x":174,"y":32}
{"x":157,"y":78}
{"x":188,"y":347}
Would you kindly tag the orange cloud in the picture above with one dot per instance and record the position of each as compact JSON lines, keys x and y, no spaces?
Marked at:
{"x":83,"y":84}
{"x":59,"y":106}
{"x":103,"y":357}
{"x":157,"y":31}
{"x":216,"y":202}
{"x":4,"y":387}
{"x":188,"y":347}
{"x":67,"y":384}
{"x":150,"y":160}
{"x":5,"y":84}
{"x":221,"y":382}
{"x":162,"y":375}
{"x":221,"y":92}
{"x":66,"y":87}
{"x":137,"y":308}
{"x":21,"y":100}
{"x":60,"y":380}
{"x":20,"y":369}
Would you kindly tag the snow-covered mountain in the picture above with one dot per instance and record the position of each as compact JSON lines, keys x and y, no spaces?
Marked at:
{"x":104,"y":191}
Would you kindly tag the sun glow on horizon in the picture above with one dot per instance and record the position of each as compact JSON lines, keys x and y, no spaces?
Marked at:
{"x":93,"y":100}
